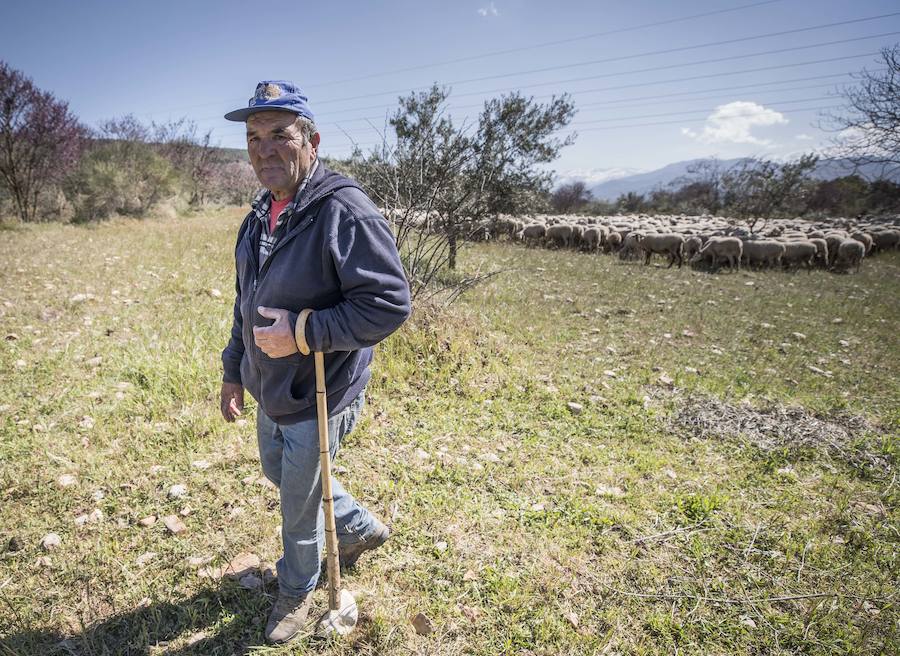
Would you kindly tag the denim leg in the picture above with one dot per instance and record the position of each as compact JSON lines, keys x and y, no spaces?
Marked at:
{"x":290,"y":459}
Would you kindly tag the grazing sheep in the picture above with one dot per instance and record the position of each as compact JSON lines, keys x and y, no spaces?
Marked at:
{"x":691,"y":246}
{"x":613,"y":242}
{"x":865,"y":238}
{"x":833,"y":239}
{"x":727,"y":249}
{"x":670,"y":245}
{"x":763,"y":252}
{"x":885,"y":240}
{"x":560,"y":234}
{"x":821,"y":250}
{"x":533,"y":233}
{"x":630,"y":248}
{"x":590,"y":239}
{"x":798,"y":253}
{"x":850,"y":252}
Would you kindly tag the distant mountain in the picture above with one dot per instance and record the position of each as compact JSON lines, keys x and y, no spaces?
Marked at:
{"x":643,"y":183}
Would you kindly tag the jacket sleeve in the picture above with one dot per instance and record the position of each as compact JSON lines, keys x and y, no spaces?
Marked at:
{"x":376,"y":298}
{"x":234,"y":351}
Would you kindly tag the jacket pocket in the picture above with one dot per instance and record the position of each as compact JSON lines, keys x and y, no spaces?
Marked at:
{"x":278,"y":382}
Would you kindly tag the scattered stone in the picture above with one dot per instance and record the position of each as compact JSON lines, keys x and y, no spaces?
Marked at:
{"x":94,"y":362}
{"x":490,"y":457}
{"x":96,"y":516}
{"x":242,"y":564}
{"x":50,"y":541}
{"x":149,"y":520}
{"x":691,"y":370}
{"x":145,"y":558}
{"x":197,"y":561}
{"x":174,"y":524}
{"x":470,"y":575}
{"x":66,"y":480}
{"x":666,"y":380}
{"x":766,"y":325}
{"x":470,"y":613}
{"x":422,"y":454}
{"x":86,"y":422}
{"x":11,"y":337}
{"x":215,"y":293}
{"x":98,"y":495}
{"x":177,"y":491}
{"x":14,"y":544}
{"x":799,"y":336}
{"x":609,"y":491}
{"x":250,"y":582}
{"x":440,"y":546}
{"x":200,"y":464}
{"x":20,"y":364}
{"x":80,"y":298}
{"x":573,"y":619}
{"x":609,"y":373}
{"x":837,"y":320}
{"x":687,"y":333}
{"x":670,"y":473}
{"x":537,"y":507}
{"x":575,"y":408}
{"x":748,"y":622}
{"x":422,"y":624}
{"x":44,"y":561}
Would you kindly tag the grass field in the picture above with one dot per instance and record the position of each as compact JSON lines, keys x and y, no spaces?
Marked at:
{"x":726,"y":483}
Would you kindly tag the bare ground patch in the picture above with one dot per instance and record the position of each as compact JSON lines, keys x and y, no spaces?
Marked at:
{"x":845,"y":437}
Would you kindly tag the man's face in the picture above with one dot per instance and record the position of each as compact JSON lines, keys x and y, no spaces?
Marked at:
{"x":280,"y":156}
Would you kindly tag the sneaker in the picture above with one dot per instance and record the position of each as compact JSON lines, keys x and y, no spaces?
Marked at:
{"x":288,"y":617}
{"x":348,"y":554}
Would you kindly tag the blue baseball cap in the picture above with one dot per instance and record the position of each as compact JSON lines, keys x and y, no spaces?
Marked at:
{"x":279,"y":95}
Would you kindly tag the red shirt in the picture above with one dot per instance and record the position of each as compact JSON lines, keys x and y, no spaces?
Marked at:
{"x":274,"y":210}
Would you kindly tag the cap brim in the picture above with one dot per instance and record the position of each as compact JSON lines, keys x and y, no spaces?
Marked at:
{"x":242,"y":114}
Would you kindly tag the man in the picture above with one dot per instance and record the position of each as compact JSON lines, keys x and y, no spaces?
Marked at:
{"x":317,"y":270}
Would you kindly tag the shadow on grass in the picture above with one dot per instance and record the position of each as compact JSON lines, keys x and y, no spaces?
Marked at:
{"x":216,"y":621}
{"x":221,"y":620}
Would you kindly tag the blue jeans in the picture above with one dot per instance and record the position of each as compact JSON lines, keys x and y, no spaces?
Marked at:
{"x":290,"y":459}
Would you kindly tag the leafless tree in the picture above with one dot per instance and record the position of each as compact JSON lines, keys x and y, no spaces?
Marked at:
{"x":570,"y":197}
{"x":869,"y":127}
{"x":40,"y":141}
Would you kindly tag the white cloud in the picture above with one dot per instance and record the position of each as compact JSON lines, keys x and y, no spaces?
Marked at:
{"x":490,"y":10}
{"x":731,"y":123}
{"x":803,"y":137}
{"x":596,"y":175}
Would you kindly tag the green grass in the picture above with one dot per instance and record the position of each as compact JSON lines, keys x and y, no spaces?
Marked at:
{"x":616,"y":530}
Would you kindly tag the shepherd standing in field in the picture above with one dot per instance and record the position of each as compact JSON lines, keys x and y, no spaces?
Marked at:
{"x":317,"y":270}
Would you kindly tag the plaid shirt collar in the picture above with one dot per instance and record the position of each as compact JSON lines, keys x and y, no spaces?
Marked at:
{"x":263,"y":201}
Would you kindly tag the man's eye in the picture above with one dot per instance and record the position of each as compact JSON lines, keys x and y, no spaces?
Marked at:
{"x":280,"y":137}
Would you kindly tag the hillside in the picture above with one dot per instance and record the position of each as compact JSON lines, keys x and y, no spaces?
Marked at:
{"x":642,"y":183}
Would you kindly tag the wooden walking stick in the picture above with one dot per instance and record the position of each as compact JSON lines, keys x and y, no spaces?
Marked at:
{"x":342,"y":612}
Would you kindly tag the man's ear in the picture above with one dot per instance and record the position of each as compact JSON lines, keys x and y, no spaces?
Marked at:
{"x":314,"y":142}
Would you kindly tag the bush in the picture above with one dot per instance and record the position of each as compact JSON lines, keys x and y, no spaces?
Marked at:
{"x":119,"y":177}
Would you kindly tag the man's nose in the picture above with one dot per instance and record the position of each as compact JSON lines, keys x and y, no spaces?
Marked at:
{"x":266,"y":148}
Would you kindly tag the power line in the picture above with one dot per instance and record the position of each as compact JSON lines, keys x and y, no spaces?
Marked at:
{"x":694,"y":111}
{"x":662,"y":96}
{"x":696,"y":120}
{"x":634,"y":85}
{"x":714,"y":60}
{"x":546,"y":44}
{"x":668,"y":51}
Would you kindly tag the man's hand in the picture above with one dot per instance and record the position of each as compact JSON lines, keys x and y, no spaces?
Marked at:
{"x":231,"y":400}
{"x":277,"y":340}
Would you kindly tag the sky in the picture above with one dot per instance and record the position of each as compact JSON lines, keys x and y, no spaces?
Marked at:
{"x":653,"y":82}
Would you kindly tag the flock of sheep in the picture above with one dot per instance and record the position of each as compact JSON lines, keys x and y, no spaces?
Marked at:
{"x":835,"y":244}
